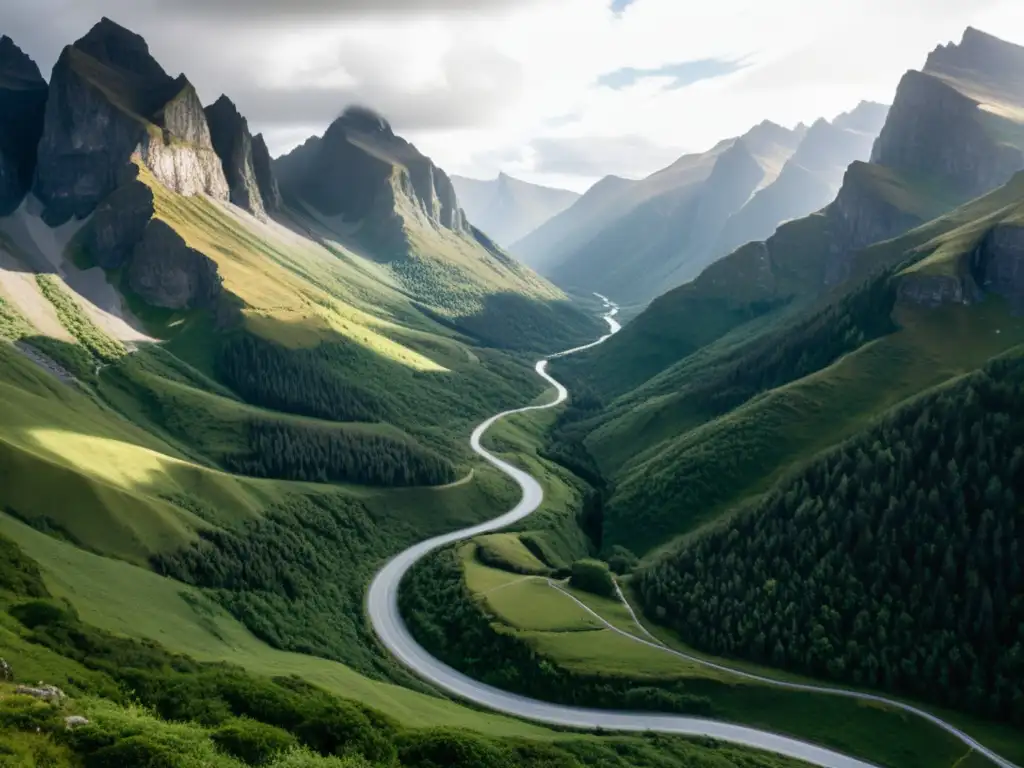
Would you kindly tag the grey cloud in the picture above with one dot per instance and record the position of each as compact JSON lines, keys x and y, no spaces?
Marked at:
{"x":285,"y":8}
{"x":477,"y":81}
{"x":630,"y":156}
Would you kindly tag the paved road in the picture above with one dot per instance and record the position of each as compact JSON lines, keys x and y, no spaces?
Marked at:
{"x":382,"y":607}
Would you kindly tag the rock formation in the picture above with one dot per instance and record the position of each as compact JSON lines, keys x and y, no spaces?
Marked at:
{"x":165,"y":272}
{"x":363,"y":173}
{"x":109,"y":99}
{"x":266,"y":181}
{"x":23,"y":95}
{"x":234,"y":145}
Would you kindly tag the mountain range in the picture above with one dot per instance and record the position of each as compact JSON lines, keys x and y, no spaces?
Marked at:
{"x":644,"y":237}
{"x":508,"y":209}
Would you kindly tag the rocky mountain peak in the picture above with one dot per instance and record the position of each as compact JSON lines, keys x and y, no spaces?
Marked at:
{"x":111,"y":44}
{"x":977,"y":51}
{"x":17,"y":67}
{"x":365,"y":120}
{"x":867,"y":117}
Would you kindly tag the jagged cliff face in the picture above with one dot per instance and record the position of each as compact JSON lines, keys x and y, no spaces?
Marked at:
{"x":22,"y":107}
{"x":263,"y":167}
{"x":363,"y":173}
{"x":936,"y":133}
{"x":234,"y":145}
{"x":995,"y":266}
{"x":109,"y":99}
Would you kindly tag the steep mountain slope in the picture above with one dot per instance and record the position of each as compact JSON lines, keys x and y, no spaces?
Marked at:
{"x":373,"y":190}
{"x":508,"y":209}
{"x":938,"y":148}
{"x":22,"y":105}
{"x":810,"y":179}
{"x":670,"y":221}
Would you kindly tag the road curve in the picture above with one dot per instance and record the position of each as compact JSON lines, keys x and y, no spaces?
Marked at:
{"x":382,"y":608}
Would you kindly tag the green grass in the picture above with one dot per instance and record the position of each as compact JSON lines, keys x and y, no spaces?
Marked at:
{"x":134,"y":602}
{"x":507,"y":551}
{"x":73,"y":318}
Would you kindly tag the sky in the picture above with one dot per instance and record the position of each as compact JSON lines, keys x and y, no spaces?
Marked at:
{"x":558,"y":92}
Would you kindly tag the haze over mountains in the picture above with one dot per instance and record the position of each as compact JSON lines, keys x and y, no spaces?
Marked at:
{"x":508,"y":209}
{"x":679,"y":220}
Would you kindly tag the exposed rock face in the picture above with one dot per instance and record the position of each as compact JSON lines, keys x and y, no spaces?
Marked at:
{"x":23,"y":95}
{"x":263,"y":167}
{"x":234,"y":145}
{"x":860,"y":217}
{"x":166,"y":272}
{"x":119,"y":223}
{"x":935,"y":132}
{"x":361,"y":171}
{"x":108,"y":100}
{"x":48,"y":693}
{"x":980,"y":55}
{"x":995,"y":266}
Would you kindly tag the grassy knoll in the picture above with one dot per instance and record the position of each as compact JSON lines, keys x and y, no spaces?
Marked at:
{"x":507,"y":551}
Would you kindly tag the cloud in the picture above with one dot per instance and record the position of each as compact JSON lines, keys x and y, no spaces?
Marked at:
{"x":330,"y":8}
{"x":595,"y":156}
{"x":677,"y":75}
{"x":618,"y":6}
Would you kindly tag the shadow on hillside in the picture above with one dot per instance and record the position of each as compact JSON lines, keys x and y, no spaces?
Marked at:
{"x":514,"y":322}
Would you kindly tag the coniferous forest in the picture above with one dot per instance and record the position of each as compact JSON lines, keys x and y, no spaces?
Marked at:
{"x":312,"y":454}
{"x":893,"y":562}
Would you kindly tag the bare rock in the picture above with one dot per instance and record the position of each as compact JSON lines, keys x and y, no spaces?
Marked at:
{"x":234,"y":145}
{"x":74,"y":721}
{"x":23,"y":95}
{"x":165,"y":272}
{"x":265,"y":178}
{"x":6,"y":673}
{"x":48,"y":693}
{"x":109,"y":99}
{"x":119,"y":224}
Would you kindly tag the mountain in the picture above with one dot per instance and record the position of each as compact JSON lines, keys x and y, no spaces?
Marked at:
{"x":937,"y":149}
{"x":679,"y":220}
{"x":22,"y":105}
{"x":810,"y":179}
{"x":109,"y":100}
{"x":240,"y":156}
{"x":508,"y":209}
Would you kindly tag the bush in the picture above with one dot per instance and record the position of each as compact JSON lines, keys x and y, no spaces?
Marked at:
{"x":135,"y":751}
{"x":593,"y":576}
{"x":347,"y":730}
{"x":25,"y":713}
{"x":622,"y":561}
{"x":42,"y":613}
{"x":254,"y":742}
{"x":445,"y":748}
{"x":18,"y":574}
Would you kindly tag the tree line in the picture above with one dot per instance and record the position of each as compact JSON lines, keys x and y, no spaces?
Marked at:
{"x":311,"y":453}
{"x":894,"y":561}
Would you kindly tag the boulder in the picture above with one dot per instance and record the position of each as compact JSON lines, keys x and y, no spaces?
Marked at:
{"x":48,"y":693}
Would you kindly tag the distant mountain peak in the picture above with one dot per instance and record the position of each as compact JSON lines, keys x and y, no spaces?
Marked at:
{"x":981,"y":53}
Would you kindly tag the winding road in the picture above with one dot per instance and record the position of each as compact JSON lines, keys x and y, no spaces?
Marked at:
{"x":382,"y":608}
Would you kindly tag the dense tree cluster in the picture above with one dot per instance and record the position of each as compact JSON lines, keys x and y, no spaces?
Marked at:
{"x":896,"y":561}
{"x":323,"y":454}
{"x":306,"y":382}
{"x":592,"y":576}
{"x":296,"y":577}
{"x":443,"y":616}
{"x":798,"y":349}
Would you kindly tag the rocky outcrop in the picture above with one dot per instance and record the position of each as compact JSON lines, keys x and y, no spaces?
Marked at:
{"x":934,"y":132}
{"x":981,"y":56}
{"x":234,"y":145}
{"x":165,"y":272}
{"x":48,"y":693}
{"x":23,"y":95}
{"x":119,"y":224}
{"x":365,"y":174}
{"x":263,"y":167}
{"x":995,"y":266}
{"x":109,"y":99}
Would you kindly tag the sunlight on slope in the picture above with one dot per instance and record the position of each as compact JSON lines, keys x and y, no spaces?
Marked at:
{"x":289,"y":298}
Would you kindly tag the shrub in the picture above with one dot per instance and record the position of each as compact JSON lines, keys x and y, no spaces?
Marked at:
{"x":445,"y":748}
{"x":593,"y":576}
{"x":135,"y":751}
{"x":254,"y":742}
{"x":622,"y":560}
